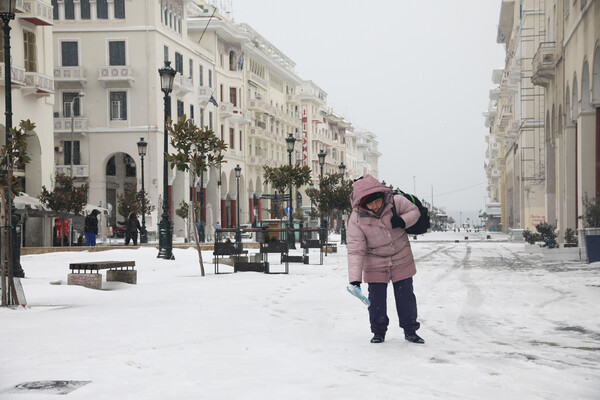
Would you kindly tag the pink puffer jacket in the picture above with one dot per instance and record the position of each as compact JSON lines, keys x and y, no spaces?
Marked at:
{"x":372,"y":243}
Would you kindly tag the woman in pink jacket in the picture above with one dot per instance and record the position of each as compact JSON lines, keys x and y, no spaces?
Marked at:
{"x":379,"y":252}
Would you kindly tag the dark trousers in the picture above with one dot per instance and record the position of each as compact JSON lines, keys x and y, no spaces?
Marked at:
{"x":131,"y":236}
{"x":406,"y":306}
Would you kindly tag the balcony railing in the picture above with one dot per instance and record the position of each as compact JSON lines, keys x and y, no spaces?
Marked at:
{"x":63,"y":124}
{"x":183,"y":84}
{"x":116,"y":76}
{"x":204,"y":93}
{"x":70,"y":75}
{"x":543,"y":64}
{"x":79,"y":171}
{"x":36,"y":83}
{"x":37,"y":12}
{"x":17,"y":75}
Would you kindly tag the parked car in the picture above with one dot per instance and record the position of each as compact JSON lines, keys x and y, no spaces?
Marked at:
{"x":118,"y":232}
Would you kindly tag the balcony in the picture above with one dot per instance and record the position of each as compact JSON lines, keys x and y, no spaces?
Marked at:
{"x":79,"y":171}
{"x":70,"y":75}
{"x":39,"y":84}
{"x":63,"y":124}
{"x":116,"y":76}
{"x":17,"y":75}
{"x":293,"y":99}
{"x":543,"y":64}
{"x":225,"y":110}
{"x":204,"y":93}
{"x":37,"y":12}
{"x":183,"y":85}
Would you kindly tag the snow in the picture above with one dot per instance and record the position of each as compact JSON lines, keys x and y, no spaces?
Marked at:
{"x":498,"y":322}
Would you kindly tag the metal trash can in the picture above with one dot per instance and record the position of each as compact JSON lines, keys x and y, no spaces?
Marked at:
{"x":592,"y":248}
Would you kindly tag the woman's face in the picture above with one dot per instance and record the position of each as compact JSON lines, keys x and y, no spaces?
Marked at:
{"x":375,"y":205}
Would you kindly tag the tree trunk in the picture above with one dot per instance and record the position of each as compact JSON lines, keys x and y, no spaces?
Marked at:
{"x":197,"y":240}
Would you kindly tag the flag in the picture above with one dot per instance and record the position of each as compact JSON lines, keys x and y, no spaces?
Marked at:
{"x":240,"y":63}
{"x":501,"y":35}
{"x":212,"y":100}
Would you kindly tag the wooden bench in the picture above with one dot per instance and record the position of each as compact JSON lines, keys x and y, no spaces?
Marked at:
{"x":88,"y":273}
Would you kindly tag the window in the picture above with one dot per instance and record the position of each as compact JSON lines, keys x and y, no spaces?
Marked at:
{"x":221,"y":92}
{"x":201,"y":76}
{"x":166,"y":53}
{"x":179,"y":63}
{"x":67,"y":98}
{"x":30,"y":51}
{"x":201,"y":118}
{"x":67,"y":152}
{"x":85,"y":9}
{"x":54,"y":9}
{"x":119,"y":9}
{"x":180,"y":110}
{"x":129,"y":165}
{"x":102,"y":9}
{"x":210,"y":78}
{"x":233,"y":96}
{"x":232,"y":61}
{"x":118,"y":106}
{"x":69,"y":54}
{"x":116,"y":53}
{"x":69,"y":9}
{"x":191,"y":64}
{"x":192,"y":112}
{"x":210,"y":119}
{"x":231,"y":138}
{"x":240,"y":141}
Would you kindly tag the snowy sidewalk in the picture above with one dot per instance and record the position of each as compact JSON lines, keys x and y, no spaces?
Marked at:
{"x":498,"y":324}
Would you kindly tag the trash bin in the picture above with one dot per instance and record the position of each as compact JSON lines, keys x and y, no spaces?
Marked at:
{"x":592,"y":247}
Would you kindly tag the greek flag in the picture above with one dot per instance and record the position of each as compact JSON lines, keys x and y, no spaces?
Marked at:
{"x":212,"y":100}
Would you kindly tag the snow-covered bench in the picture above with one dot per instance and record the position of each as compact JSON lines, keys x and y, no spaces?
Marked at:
{"x":88,"y":273}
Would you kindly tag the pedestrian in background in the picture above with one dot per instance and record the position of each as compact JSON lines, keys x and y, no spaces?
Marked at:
{"x":90,"y":228}
{"x":131,"y":229}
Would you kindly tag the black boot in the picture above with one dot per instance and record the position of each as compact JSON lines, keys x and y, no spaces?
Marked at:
{"x":378,"y":338}
{"x":413,"y":337}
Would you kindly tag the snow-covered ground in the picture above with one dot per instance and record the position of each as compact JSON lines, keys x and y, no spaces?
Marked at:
{"x":499,"y":323}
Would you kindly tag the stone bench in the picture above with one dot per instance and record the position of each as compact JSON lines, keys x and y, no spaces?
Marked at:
{"x":88,"y":273}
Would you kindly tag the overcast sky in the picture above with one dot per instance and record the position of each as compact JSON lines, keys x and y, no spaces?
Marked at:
{"x":415,"y":73}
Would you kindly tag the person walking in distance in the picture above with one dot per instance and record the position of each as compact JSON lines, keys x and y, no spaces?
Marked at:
{"x":379,"y":252}
{"x":131,"y":229}
{"x":90,"y":228}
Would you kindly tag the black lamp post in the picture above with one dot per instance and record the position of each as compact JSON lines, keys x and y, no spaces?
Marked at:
{"x":289,"y":142}
{"x":201,"y":232}
{"x":167,"y":74}
{"x":142,"y":145}
{"x":322,"y":156}
{"x":342,"y":168}
{"x":238,"y":173}
{"x":7,"y":12}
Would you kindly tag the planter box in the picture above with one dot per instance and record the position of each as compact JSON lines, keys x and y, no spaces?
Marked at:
{"x":592,"y":248}
{"x":563,"y":254}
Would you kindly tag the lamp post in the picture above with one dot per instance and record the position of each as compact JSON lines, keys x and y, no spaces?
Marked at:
{"x":322,"y":156}
{"x":201,"y":232}
{"x":72,"y":111}
{"x":142,"y":145}
{"x":7,"y":12}
{"x":342,"y":168}
{"x":238,"y":173}
{"x":167,"y":74}
{"x":289,"y":142}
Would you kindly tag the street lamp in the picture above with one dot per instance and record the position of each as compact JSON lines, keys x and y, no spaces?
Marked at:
{"x":7,"y":12}
{"x":167,"y":74}
{"x":322,"y":154}
{"x":72,"y":111}
{"x":238,"y":173}
{"x":142,"y":145}
{"x":289,"y":142}
{"x":342,"y":168}
{"x":201,"y":233}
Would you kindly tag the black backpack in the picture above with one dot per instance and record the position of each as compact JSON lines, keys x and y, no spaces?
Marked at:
{"x":422,"y":224}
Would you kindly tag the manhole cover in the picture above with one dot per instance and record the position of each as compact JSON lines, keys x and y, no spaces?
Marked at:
{"x":48,"y":387}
